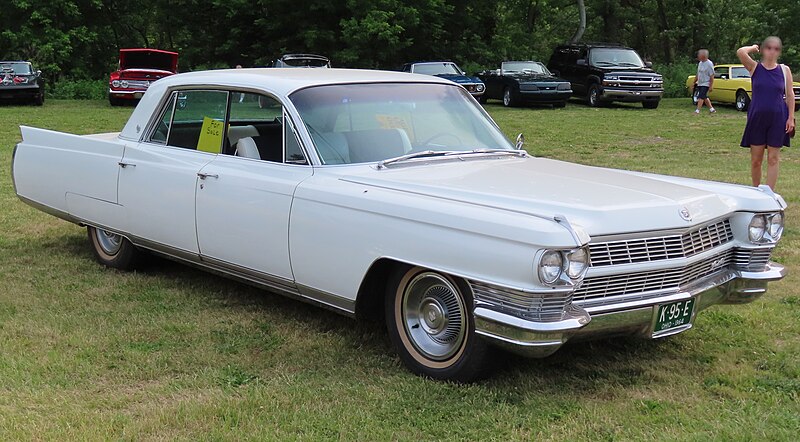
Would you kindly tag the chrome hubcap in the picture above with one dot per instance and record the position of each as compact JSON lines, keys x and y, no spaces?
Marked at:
{"x":109,"y":242}
{"x":434,"y":315}
{"x":593,"y":96}
{"x":507,"y":97}
{"x":740,"y":102}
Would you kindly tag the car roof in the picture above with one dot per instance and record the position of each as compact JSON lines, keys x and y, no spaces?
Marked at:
{"x":729,"y":65}
{"x":595,"y":45}
{"x":283,"y":81}
{"x":315,"y":56}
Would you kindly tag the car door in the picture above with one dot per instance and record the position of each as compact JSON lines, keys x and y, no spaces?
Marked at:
{"x":159,"y":175}
{"x":721,"y":90}
{"x":244,"y":196}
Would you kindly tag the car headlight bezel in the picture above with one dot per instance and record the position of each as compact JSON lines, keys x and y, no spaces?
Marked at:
{"x":115,"y":83}
{"x":560,"y":267}
{"x":766,"y":228}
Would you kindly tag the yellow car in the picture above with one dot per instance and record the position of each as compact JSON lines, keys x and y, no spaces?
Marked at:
{"x":732,"y":85}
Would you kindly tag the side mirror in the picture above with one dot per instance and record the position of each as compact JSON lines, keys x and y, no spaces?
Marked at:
{"x":582,"y":62}
{"x":520,"y":144}
{"x":648,"y":64}
{"x":463,"y":73}
{"x":556,"y":73}
{"x":38,"y":73}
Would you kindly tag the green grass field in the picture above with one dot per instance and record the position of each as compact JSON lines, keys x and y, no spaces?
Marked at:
{"x":88,"y":353}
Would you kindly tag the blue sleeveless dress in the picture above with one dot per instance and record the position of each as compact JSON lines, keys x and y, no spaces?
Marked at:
{"x":767,"y":114}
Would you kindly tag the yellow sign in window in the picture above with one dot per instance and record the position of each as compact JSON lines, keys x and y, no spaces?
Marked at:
{"x":211,"y":135}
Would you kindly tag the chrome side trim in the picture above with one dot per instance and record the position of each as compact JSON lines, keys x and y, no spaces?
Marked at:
{"x":13,"y":180}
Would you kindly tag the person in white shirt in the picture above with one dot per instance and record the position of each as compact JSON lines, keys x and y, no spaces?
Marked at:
{"x":704,"y":81}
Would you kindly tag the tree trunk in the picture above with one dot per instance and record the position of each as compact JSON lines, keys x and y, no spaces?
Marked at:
{"x":665,"y":39}
{"x":582,"y":23}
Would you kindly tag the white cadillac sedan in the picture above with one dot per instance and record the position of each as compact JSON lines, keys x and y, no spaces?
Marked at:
{"x":395,"y":196}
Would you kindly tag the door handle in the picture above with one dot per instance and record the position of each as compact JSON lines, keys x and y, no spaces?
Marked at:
{"x":123,"y":164}
{"x":204,"y":175}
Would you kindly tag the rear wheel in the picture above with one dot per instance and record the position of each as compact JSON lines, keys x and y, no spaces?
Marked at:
{"x":742,"y":101}
{"x":430,"y":322}
{"x":113,"y":250}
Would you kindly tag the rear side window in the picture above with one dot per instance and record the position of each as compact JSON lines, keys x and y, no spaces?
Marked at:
{"x":193,"y":120}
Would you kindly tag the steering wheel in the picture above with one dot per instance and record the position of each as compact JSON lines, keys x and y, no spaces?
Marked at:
{"x":429,"y":141}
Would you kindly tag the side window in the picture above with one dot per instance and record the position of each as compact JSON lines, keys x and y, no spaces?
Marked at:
{"x":258,"y":129}
{"x":720,"y":72}
{"x":198,"y":120}
{"x":161,"y":131}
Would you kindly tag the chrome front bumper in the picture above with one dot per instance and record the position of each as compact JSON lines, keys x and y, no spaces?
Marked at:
{"x":541,"y":339}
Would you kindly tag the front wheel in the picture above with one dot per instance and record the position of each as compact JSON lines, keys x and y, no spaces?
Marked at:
{"x":508,"y":98}
{"x":115,"y":101}
{"x":594,"y":96}
{"x":652,"y":104}
{"x":483,"y":99}
{"x":742,"y":101}
{"x":430,"y":323}
{"x":113,"y":250}
{"x":560,"y":104}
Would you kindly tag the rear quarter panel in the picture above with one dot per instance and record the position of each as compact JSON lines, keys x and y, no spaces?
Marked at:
{"x":51,"y":168}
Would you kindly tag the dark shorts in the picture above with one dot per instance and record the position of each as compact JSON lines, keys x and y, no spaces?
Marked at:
{"x":702,"y":92}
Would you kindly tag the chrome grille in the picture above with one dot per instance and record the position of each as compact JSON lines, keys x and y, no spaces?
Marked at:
{"x":138,"y":84}
{"x":535,"y":306}
{"x":752,"y":259}
{"x":650,"y":283}
{"x":662,"y":247}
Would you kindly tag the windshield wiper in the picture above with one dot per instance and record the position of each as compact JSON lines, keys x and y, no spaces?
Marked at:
{"x":411,"y":156}
{"x":627,"y":63}
{"x":448,"y":153}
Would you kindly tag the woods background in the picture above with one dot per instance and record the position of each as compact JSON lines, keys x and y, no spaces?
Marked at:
{"x":76,"y":41}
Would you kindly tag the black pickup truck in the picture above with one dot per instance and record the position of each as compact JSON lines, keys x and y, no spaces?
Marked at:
{"x":21,"y":83}
{"x":602,"y":73}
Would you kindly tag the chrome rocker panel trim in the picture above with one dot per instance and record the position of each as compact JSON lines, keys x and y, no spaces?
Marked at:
{"x":540,"y":339}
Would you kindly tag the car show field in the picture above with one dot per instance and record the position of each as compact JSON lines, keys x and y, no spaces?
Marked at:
{"x":171,"y":352}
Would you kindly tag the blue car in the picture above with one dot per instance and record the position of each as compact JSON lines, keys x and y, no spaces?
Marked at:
{"x":449,"y":71}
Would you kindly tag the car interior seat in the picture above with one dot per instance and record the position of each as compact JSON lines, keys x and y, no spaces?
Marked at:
{"x":246,"y":147}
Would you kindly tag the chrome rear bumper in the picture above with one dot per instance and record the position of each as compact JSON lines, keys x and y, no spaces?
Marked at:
{"x":541,"y":339}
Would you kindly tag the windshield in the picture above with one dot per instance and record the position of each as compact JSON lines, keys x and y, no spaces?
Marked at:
{"x":740,"y":72}
{"x":361,"y":123}
{"x":16,"y":68}
{"x":615,"y":57}
{"x":528,"y":67}
{"x":437,"y":69}
{"x":306,"y":62}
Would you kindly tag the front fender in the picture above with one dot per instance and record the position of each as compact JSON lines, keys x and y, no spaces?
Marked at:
{"x":339,"y":229}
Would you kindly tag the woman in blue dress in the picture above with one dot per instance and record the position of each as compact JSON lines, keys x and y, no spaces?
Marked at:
{"x":770,"y":117}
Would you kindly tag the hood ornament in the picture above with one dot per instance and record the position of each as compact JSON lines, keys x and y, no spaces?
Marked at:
{"x":685,"y":214}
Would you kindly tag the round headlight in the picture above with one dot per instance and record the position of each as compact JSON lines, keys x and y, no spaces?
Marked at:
{"x":757,"y":228}
{"x":577,"y":263}
{"x":115,"y":83}
{"x":479,"y":88}
{"x":123,"y":83}
{"x":776,"y":226}
{"x":550,"y":266}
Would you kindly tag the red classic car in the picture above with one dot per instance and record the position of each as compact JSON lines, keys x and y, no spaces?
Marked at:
{"x":137,"y":69}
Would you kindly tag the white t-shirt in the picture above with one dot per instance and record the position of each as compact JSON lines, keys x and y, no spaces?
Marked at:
{"x":705,"y":70}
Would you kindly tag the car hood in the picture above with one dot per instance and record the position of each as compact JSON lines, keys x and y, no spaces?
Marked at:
{"x":148,"y":59}
{"x":460,"y":79}
{"x":602,"y":201}
{"x":645,"y":72}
